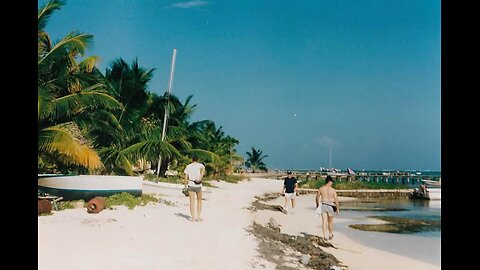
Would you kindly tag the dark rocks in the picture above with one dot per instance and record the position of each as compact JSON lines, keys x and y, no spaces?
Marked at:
{"x":399,"y":225}
{"x":273,"y":239}
{"x":258,"y":205}
{"x":44,"y":206}
{"x":273,"y":224}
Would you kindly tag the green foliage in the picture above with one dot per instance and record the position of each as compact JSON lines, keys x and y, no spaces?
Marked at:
{"x":366,"y":185}
{"x":129,"y":200}
{"x":67,"y":91}
{"x":255,"y":160}
{"x":91,"y":122}
{"x":175,"y":179}
{"x":62,"y":205}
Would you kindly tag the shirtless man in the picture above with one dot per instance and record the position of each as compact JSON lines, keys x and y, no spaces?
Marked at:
{"x":327,"y":195}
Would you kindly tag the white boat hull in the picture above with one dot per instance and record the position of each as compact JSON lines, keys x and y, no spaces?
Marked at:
{"x":76,"y":187}
{"x":431,"y":183}
{"x":435,"y":193}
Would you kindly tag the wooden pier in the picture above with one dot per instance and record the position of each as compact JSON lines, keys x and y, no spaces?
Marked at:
{"x":401,"y":178}
{"x":366,"y":193}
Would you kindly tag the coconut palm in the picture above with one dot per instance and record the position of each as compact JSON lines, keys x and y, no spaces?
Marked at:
{"x":141,"y":121}
{"x":67,"y":91}
{"x":255,"y":160}
{"x":219,"y":146}
{"x":128,"y":84}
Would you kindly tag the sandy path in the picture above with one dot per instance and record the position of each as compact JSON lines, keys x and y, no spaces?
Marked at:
{"x":157,"y":236}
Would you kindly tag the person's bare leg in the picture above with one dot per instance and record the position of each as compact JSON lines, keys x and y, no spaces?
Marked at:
{"x":191,"y":196}
{"x":286,"y":201}
{"x":330,"y":226}
{"x":293,"y":202}
{"x":199,"y":205}
{"x":324,"y":225}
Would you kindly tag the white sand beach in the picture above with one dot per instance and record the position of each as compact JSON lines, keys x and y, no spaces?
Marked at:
{"x":159,"y":236}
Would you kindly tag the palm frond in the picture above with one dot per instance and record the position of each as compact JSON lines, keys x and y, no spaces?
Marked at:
{"x":46,"y":11}
{"x":76,"y":103}
{"x":115,"y":160}
{"x":205,"y":155}
{"x":44,"y":44}
{"x":89,"y":63}
{"x":67,"y":140}
{"x":75,"y":41}
{"x":150,"y":149}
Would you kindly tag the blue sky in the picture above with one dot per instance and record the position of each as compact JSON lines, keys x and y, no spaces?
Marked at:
{"x":291,"y":78}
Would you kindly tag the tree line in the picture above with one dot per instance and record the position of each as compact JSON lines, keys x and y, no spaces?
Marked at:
{"x":111,"y":123}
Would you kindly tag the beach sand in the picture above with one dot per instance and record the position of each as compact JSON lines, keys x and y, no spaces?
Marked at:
{"x":160,"y":236}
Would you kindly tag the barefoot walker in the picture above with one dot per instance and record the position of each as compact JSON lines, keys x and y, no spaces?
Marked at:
{"x":327,"y":195}
{"x":193,"y":180}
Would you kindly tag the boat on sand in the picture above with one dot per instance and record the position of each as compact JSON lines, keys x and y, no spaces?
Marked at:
{"x":86,"y":187}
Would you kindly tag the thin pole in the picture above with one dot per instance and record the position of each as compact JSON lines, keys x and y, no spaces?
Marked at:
{"x":330,"y":157}
{"x":164,"y":129}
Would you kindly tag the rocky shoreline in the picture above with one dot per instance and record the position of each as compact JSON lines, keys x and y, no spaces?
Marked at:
{"x":290,"y":252}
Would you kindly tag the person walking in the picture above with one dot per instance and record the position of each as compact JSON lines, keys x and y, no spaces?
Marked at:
{"x":290,"y":186}
{"x":327,"y":204}
{"x":193,"y":183}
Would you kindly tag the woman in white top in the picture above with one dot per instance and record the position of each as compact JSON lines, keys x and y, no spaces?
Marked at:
{"x":193,"y":183}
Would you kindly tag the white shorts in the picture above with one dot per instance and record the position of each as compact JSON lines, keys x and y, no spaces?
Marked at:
{"x":290,"y":195}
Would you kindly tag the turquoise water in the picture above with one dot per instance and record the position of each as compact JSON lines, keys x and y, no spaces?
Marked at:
{"x":415,"y":209}
{"x":425,"y":246}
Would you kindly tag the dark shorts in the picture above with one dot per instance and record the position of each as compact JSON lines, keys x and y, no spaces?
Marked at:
{"x":194,"y":189}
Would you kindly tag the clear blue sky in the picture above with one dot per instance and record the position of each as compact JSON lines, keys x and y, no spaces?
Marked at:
{"x":289,"y":77}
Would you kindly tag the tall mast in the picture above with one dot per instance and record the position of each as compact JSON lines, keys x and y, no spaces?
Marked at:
{"x":164,"y":130}
{"x":330,"y":157}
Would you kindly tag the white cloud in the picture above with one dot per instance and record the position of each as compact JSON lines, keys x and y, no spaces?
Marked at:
{"x":189,"y":4}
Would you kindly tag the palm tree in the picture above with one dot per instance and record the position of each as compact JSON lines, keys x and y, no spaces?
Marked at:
{"x":255,"y":160}
{"x":128,"y":84}
{"x":67,"y":92}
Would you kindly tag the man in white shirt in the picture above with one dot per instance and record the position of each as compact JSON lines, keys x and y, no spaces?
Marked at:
{"x":193,"y":183}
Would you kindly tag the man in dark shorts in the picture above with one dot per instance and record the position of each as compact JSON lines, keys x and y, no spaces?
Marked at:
{"x":290,"y":186}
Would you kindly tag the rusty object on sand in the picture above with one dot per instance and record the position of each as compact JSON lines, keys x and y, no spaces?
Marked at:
{"x":44,"y":206}
{"x":95,"y":205}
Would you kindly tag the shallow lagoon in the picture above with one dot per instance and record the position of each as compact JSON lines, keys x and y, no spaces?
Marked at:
{"x":424,"y":245}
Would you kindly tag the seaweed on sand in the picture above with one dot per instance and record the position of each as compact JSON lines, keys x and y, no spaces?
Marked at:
{"x":399,"y":225}
{"x":272,"y":247}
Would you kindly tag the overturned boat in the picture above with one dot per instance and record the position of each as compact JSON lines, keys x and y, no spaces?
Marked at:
{"x":86,"y":187}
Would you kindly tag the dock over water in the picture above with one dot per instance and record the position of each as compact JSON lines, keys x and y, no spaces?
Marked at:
{"x":366,"y":193}
{"x":400,"y":178}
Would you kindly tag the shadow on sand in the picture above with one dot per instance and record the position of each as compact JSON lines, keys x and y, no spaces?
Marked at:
{"x":183,"y":216}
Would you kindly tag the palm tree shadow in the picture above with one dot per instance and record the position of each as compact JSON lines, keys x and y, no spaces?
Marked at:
{"x":183,"y":216}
